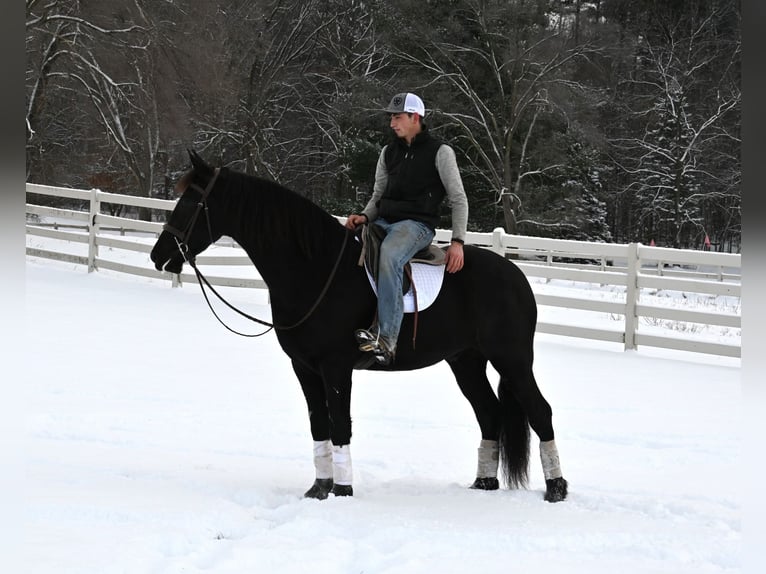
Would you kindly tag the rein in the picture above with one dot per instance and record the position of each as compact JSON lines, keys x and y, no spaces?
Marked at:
{"x":182,"y":238}
{"x":202,"y":279}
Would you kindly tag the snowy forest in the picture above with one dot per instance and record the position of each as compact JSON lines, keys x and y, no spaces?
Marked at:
{"x":611,"y":120}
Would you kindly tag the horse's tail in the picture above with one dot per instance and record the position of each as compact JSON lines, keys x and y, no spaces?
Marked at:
{"x":514,"y":437}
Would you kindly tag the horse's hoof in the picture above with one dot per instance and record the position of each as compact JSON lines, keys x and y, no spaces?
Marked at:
{"x":555,"y":489}
{"x":320,"y":489}
{"x":485,"y":483}
{"x":343,"y":490}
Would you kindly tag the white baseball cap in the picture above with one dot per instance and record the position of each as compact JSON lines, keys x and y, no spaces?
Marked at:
{"x":407,"y":103}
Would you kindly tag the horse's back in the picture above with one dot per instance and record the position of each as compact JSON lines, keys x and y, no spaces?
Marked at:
{"x":488,"y":306}
{"x":488,"y":279}
{"x":499,"y":314}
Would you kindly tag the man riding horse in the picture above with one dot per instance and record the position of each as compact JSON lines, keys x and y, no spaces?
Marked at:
{"x":413,"y":175}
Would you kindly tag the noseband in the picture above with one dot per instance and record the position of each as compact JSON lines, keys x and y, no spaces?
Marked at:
{"x":182,"y":237}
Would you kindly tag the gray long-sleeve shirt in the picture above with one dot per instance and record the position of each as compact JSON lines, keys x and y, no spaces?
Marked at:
{"x":446,"y":165}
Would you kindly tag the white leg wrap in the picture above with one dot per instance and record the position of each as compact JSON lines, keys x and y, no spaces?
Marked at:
{"x":489,"y":455}
{"x":341,"y":465}
{"x":323,"y":458}
{"x":549,"y":455}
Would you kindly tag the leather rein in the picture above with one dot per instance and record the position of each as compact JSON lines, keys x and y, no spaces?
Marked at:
{"x":182,"y":239}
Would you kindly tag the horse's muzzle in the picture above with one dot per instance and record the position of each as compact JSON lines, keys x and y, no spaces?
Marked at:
{"x":172,"y":265}
{"x":172,"y":261}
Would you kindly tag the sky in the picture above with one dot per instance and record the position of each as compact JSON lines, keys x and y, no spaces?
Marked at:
{"x":159,"y":442}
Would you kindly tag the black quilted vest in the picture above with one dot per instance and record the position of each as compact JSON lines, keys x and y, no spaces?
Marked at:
{"x":414,"y":189}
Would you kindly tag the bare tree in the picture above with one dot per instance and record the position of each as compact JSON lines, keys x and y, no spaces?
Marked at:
{"x":122,"y":81}
{"x":506,"y":80}
{"x":57,"y":38}
{"x":271,"y":47}
{"x":339,"y":94}
{"x":683,"y":101}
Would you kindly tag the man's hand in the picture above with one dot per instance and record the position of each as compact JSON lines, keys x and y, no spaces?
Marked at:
{"x":454,"y":257}
{"x":355,"y":219}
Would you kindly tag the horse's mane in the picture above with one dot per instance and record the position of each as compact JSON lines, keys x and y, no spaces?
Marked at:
{"x":279,"y":214}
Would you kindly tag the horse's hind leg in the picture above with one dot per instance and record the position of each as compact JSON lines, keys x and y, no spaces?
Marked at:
{"x":518,"y":388}
{"x":470,"y":370}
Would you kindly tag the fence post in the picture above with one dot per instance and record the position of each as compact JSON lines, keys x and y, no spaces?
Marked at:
{"x":632,"y":294}
{"x":497,"y":241}
{"x":93,"y":227}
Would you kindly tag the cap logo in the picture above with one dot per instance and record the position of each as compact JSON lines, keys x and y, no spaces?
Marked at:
{"x":397,"y":101}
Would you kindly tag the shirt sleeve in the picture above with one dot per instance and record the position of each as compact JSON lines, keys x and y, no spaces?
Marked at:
{"x":446,"y":165}
{"x":381,"y":179}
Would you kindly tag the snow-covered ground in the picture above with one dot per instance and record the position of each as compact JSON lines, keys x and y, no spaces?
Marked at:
{"x":159,"y":442}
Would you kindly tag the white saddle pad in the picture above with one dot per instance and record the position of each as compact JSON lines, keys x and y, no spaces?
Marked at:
{"x":428,"y":281}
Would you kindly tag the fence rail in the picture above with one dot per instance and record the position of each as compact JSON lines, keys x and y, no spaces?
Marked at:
{"x":627,"y":271}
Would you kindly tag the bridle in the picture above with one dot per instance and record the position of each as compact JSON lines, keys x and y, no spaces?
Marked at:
{"x":182,"y":237}
{"x":182,"y":241}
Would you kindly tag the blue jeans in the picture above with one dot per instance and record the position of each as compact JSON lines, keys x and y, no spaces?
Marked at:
{"x":403,"y":240}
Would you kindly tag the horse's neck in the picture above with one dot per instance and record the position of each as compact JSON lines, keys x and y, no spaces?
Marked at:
{"x":283,"y":262}
{"x":296,"y":282}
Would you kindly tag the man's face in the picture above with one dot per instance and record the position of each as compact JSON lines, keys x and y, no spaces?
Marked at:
{"x":405,"y":125}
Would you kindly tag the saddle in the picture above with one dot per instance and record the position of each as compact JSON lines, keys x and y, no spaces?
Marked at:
{"x":372,"y":236}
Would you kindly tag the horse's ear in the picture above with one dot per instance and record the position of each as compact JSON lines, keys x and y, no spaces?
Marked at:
{"x":198,"y":164}
{"x":196,"y":160}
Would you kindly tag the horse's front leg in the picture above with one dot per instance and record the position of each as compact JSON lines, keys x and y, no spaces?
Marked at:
{"x":330,"y":429}
{"x":336,"y":376}
{"x":319,"y":421}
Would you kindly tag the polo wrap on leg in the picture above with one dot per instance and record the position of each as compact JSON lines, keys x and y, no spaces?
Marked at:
{"x":341,"y":465}
{"x":323,"y":458}
{"x":549,"y":455}
{"x":489,"y":456}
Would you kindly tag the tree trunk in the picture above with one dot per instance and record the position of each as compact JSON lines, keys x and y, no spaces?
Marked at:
{"x":508,"y":213}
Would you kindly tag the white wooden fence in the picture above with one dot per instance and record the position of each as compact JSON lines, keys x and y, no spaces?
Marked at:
{"x":625,"y":271}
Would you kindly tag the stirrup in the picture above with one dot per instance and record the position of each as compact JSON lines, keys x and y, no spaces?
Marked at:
{"x":369,"y":342}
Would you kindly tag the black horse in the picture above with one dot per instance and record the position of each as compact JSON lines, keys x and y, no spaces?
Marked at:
{"x":320,"y":295}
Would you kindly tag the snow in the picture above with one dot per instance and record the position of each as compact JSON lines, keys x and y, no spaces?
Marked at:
{"x":159,"y":442}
